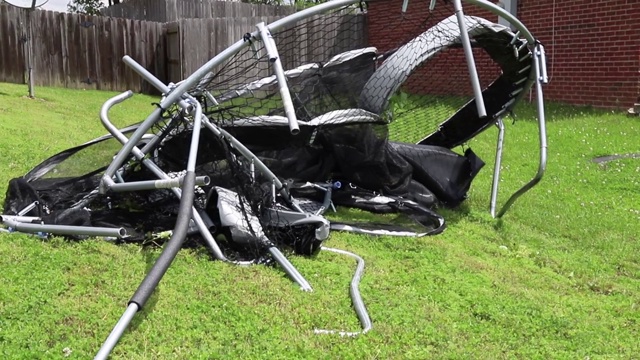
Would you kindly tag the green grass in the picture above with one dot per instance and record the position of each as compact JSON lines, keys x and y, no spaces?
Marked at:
{"x":416,"y":116}
{"x":558,"y":277}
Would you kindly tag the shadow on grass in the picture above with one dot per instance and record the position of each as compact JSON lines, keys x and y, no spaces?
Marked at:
{"x":455,"y":215}
{"x":464,"y":213}
{"x":357,"y":217}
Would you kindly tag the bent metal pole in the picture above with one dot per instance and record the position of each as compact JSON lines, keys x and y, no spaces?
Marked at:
{"x":151,"y":281}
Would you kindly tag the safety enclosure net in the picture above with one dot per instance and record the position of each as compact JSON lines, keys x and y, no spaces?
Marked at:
{"x":382,"y":98}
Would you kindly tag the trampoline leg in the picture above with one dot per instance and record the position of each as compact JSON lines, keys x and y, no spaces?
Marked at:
{"x":539,"y":61}
{"x":496,"y":168}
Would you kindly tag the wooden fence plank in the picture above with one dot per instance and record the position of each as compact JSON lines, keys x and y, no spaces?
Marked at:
{"x":105,"y":45}
{"x":12,"y":37}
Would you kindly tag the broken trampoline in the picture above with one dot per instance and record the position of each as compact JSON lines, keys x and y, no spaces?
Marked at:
{"x":247,"y":154}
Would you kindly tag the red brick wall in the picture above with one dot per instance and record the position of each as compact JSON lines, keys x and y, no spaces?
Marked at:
{"x":593,"y":47}
{"x":594,"y":56}
{"x":390,"y":28}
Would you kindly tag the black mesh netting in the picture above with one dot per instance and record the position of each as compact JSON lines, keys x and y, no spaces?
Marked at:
{"x":381,"y":96}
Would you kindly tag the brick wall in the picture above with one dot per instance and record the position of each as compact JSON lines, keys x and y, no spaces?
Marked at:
{"x":390,"y":28}
{"x":594,"y":52}
{"x":593,"y":47}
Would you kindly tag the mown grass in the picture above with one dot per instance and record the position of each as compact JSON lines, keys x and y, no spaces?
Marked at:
{"x":558,"y":277}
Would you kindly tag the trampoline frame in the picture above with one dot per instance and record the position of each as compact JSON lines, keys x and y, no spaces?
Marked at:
{"x":180,"y":95}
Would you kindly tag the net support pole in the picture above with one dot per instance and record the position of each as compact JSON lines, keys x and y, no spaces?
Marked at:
{"x":496,"y":168}
{"x":117,"y":332}
{"x":471,"y":63}
{"x":154,"y":81}
{"x":274,"y":59}
{"x":171,"y":249}
{"x":158,"y":270}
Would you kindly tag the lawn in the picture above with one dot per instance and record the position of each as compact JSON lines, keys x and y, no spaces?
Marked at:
{"x":558,"y":277}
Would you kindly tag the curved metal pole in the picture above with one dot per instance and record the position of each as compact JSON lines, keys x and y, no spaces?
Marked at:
{"x":305,"y":13}
{"x":520,"y":29}
{"x":234,"y":48}
{"x":354,"y":291}
{"x":126,"y":150}
{"x":538,"y":76}
{"x":505,"y":15}
{"x":171,"y":249}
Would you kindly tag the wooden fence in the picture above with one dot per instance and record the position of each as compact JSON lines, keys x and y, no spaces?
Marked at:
{"x":192,"y":42}
{"x":201,"y":39}
{"x":174,"y":10}
{"x":78,"y":51}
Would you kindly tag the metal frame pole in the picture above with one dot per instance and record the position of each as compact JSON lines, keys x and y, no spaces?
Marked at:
{"x":496,"y":168}
{"x":538,"y":77}
{"x":274,"y":59}
{"x":541,"y":78}
{"x":117,"y":332}
{"x":471,"y":63}
{"x":157,"y":184}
